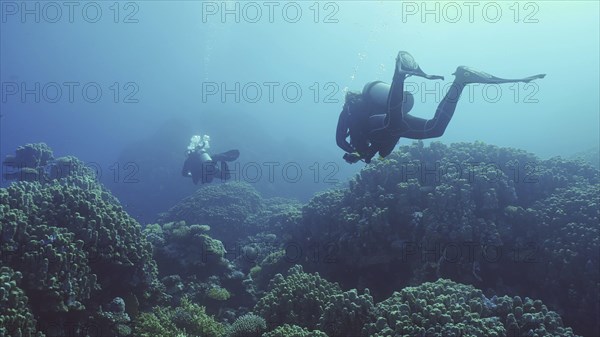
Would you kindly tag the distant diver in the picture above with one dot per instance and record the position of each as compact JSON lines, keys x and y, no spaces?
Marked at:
{"x":203,"y":167}
{"x":376,"y":118}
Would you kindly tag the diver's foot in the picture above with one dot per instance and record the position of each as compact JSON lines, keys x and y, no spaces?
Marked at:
{"x":467,"y":75}
{"x":406,"y":64}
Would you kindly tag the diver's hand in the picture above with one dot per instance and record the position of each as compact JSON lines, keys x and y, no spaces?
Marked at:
{"x":352,"y":158}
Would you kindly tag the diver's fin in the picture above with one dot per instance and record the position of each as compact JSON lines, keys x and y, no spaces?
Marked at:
{"x":470,"y":75}
{"x":230,"y":155}
{"x":406,"y":64}
{"x":225,"y":174}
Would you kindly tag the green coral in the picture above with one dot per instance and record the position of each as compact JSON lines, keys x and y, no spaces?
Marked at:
{"x":271,"y":265}
{"x":431,"y":212}
{"x":528,"y":317}
{"x":287,"y":330}
{"x":28,"y":163}
{"x":347,"y":313}
{"x":218,"y":293}
{"x":248,"y":325}
{"x":15,"y":317}
{"x":445,"y":308}
{"x":224,"y":207}
{"x":299,"y":298}
{"x":74,"y":245}
{"x":187,"y":319}
{"x":564,"y":261}
{"x":277,"y":216}
{"x":185,"y":249}
{"x":49,"y":258}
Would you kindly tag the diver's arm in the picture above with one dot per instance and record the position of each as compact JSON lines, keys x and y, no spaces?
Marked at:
{"x":369,"y":154}
{"x":342,"y":132}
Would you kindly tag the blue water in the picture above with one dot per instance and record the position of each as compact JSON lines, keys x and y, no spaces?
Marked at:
{"x":162,"y":67}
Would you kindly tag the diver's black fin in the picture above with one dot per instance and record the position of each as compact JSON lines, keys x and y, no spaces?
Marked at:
{"x":230,"y":155}
{"x":406,"y":64}
{"x":225,"y":174}
{"x":470,"y":75}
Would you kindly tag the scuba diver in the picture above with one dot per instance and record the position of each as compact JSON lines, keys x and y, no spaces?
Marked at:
{"x":376,"y":119}
{"x":203,"y":167}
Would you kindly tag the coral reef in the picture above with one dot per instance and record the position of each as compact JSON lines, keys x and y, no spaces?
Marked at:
{"x":224,"y":207}
{"x":74,"y":245}
{"x":15,"y":317}
{"x":28,"y":163}
{"x":248,"y":325}
{"x":218,"y":293}
{"x":193,"y":264}
{"x":287,"y":330}
{"x":299,"y":298}
{"x":187,"y":319}
{"x":433,"y":241}
{"x":272,"y":264}
{"x":590,"y":156}
{"x":347,"y":313}
{"x":445,"y":308}
{"x":185,"y":250}
{"x":566,"y":263}
{"x":477,"y":214}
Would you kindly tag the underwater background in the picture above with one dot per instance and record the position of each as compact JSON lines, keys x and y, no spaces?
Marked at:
{"x":490,"y":230}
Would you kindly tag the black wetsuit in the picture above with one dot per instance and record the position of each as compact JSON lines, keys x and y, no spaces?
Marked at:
{"x":372,"y":130}
{"x":200,"y":170}
{"x":204,"y":170}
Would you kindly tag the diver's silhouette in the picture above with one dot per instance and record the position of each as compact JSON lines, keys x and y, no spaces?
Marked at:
{"x":203,"y":167}
{"x":376,"y":118}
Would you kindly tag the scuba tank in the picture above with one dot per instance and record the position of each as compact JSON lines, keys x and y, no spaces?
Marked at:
{"x":204,"y":156}
{"x":377,"y":93}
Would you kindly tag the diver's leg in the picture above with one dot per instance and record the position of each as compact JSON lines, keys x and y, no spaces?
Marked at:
{"x":394,"y":105}
{"x":419,"y":128}
{"x":405,"y":66}
{"x":398,"y":101}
